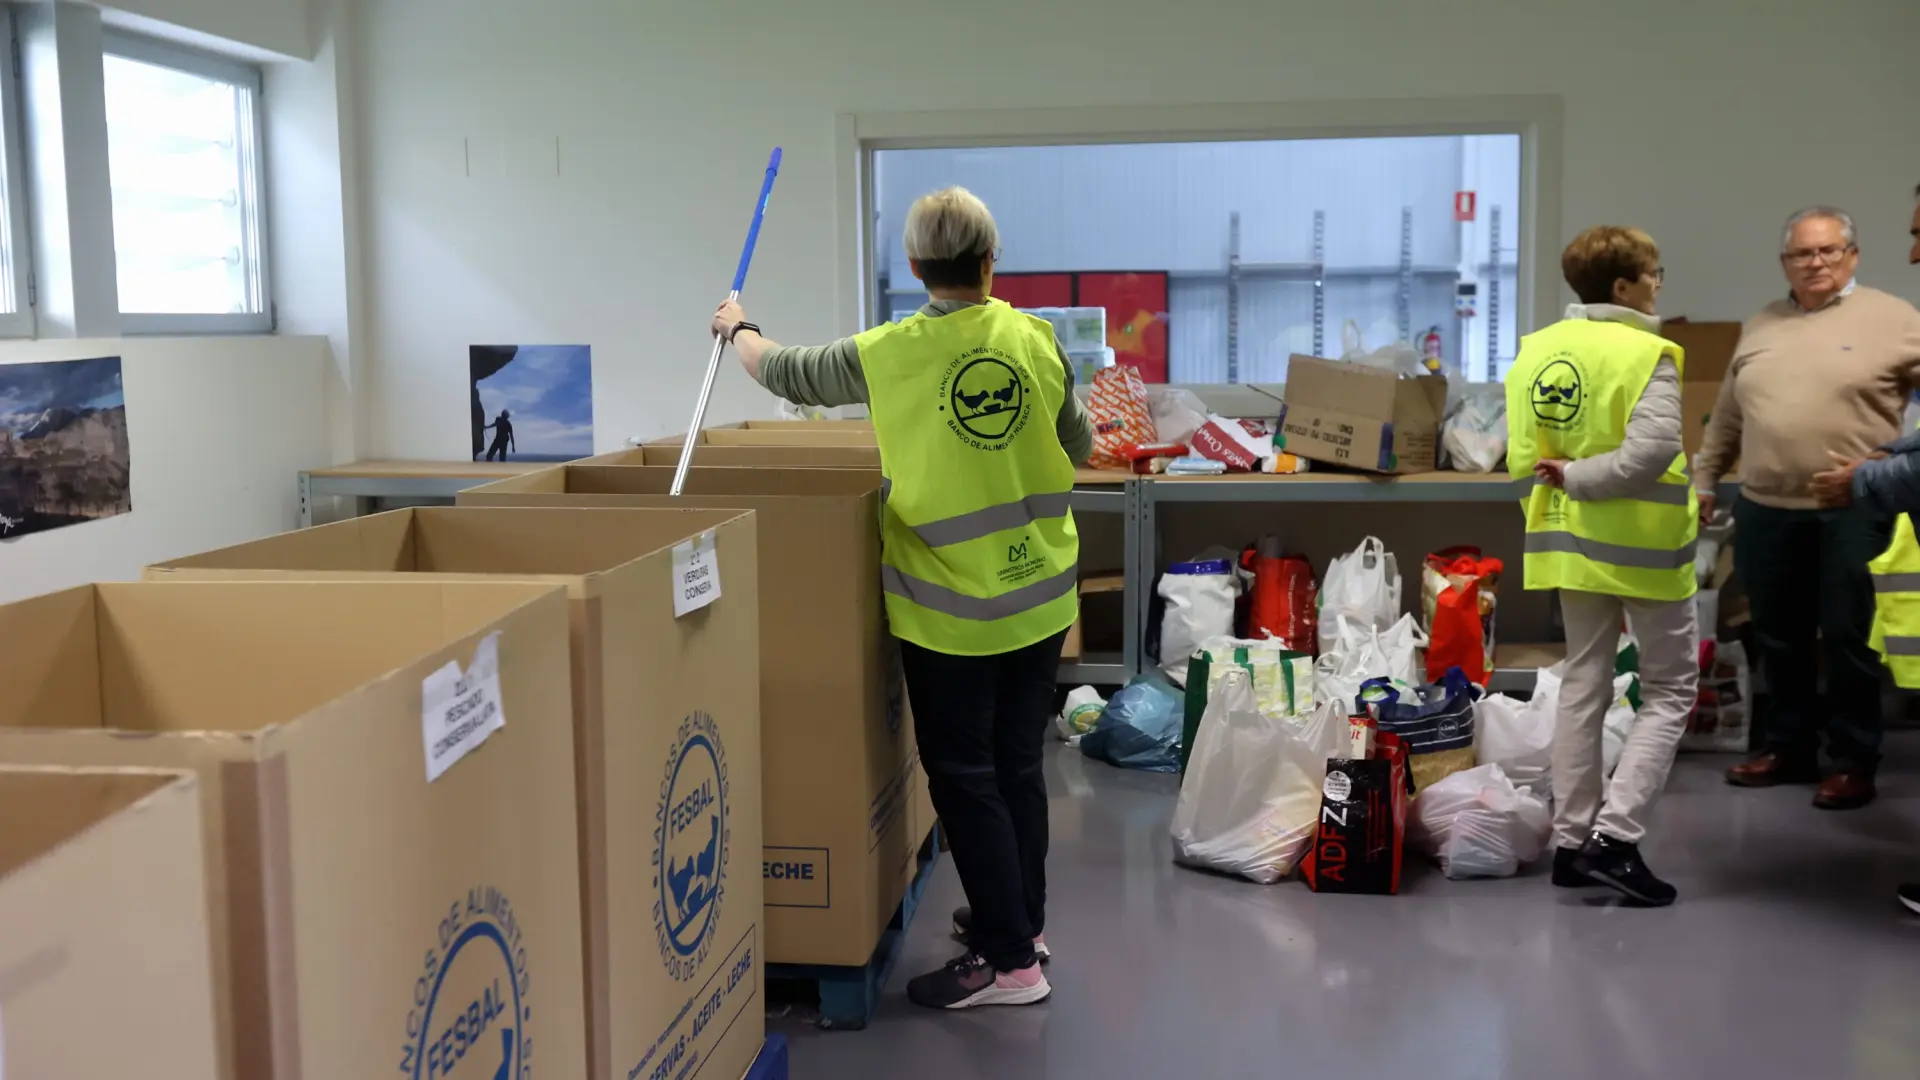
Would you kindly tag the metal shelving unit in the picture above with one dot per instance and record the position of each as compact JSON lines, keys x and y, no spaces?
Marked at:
{"x":1104,"y":669}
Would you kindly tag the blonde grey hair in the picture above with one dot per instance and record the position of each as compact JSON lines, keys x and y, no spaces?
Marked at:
{"x":1831,"y":213}
{"x":949,"y":224}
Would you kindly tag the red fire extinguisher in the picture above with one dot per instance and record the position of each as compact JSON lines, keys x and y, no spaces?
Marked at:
{"x":1430,"y":349}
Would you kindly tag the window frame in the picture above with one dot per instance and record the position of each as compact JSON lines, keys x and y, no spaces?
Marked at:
{"x":254,"y":229}
{"x":1536,"y":119}
{"x":21,"y":321}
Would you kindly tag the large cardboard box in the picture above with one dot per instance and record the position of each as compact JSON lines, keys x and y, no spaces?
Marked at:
{"x":1710,"y":347}
{"x":364,"y":916}
{"x":757,"y":457}
{"x":794,"y":433}
{"x":836,"y":748}
{"x":1362,"y":417}
{"x":666,"y":746}
{"x":104,"y":968}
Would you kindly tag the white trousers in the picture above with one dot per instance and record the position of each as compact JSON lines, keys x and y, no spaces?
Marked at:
{"x":1586,"y":801}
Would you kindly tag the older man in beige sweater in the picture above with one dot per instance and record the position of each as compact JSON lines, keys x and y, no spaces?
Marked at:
{"x":1828,"y":368}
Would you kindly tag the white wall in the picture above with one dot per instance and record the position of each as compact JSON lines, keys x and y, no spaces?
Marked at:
{"x":217,"y":429}
{"x":278,"y":27}
{"x":582,"y":170}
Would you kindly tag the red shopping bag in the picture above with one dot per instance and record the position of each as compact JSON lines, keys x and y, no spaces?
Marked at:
{"x":1283,"y":603}
{"x":1360,"y":839}
{"x":1458,"y":590}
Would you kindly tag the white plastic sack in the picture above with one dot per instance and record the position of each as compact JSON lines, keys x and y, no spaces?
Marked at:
{"x":1399,"y":357}
{"x":1250,"y":800}
{"x":1620,"y":715}
{"x":1364,"y":586}
{"x":1706,"y":552}
{"x":1473,"y":437}
{"x":1517,"y":736}
{"x":1723,"y":717}
{"x":1079,"y":714}
{"x":1478,"y":824}
{"x":1200,"y":598}
{"x":1352,"y":653}
{"x":1177,"y":413}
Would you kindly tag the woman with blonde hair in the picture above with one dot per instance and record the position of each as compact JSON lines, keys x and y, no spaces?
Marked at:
{"x":979,"y":432}
{"x":1594,"y":421}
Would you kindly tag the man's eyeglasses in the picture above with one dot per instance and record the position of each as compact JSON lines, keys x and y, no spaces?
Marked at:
{"x":1830,"y":254}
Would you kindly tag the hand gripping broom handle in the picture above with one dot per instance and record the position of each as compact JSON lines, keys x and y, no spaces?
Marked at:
{"x":719,"y":344}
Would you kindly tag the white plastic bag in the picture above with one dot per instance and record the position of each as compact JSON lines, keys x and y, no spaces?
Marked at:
{"x":1706,"y":553}
{"x":1619,"y":720}
{"x":1723,"y":717}
{"x":1200,"y":597}
{"x":1474,"y":436}
{"x":1353,"y":653}
{"x":1517,"y":736}
{"x":1177,"y":413}
{"x":1399,"y":357}
{"x":1364,"y":586}
{"x":1478,"y":824}
{"x":1079,"y":714}
{"x":1250,"y":800}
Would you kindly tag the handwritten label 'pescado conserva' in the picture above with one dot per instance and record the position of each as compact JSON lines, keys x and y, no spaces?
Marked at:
{"x":696,"y":574}
{"x":460,"y":710}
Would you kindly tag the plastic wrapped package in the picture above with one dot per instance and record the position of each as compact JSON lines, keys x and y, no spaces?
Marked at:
{"x":1177,"y":413}
{"x":1200,"y":598}
{"x":1080,"y":713}
{"x":1140,"y":728}
{"x":1473,"y":437}
{"x":1477,"y":823}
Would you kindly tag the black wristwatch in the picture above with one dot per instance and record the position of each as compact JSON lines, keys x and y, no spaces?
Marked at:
{"x":739,"y":326}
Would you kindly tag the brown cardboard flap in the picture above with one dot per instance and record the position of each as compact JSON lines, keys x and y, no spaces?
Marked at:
{"x":543,"y":540}
{"x":1341,"y":387}
{"x":1709,"y":345}
{"x":800,"y":434}
{"x":601,"y":480}
{"x":834,"y":457}
{"x":43,"y":808}
{"x":379,"y":542}
{"x":49,"y":665}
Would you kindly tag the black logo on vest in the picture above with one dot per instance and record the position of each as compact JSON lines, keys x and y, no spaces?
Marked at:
{"x":986,"y":399}
{"x":1558,"y":392}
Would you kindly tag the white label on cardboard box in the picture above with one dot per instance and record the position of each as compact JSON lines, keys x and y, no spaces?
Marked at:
{"x":696,"y":574}
{"x":460,"y":710}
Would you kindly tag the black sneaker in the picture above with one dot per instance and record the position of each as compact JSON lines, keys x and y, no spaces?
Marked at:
{"x":1565,"y":874}
{"x":1909,"y":895}
{"x":969,"y":981}
{"x":963,"y":928}
{"x":1618,"y":865}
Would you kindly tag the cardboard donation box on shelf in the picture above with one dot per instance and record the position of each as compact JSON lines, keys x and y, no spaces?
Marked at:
{"x":1361,"y":417}
{"x":104,"y":963}
{"x":666,"y":736}
{"x":1710,"y":347}
{"x":836,"y":740}
{"x":387,"y":808}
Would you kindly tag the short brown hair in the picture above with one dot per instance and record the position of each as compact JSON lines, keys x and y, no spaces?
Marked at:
{"x":1605,"y":254}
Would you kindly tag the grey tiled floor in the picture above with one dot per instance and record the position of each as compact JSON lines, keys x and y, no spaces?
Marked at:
{"x":1786,"y":957}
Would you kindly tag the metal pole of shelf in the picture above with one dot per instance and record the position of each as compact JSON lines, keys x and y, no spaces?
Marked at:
{"x":1130,"y":625}
{"x":1233,"y":297}
{"x":1147,"y":547}
{"x":1493,"y":294}
{"x":1319,"y":283}
{"x":1406,"y":273}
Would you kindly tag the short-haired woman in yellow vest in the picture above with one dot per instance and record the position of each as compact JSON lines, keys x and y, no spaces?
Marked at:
{"x":979,"y":432}
{"x":1593,"y":415}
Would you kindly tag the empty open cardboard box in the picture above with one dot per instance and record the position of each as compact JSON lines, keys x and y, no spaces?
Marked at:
{"x":836,"y":748}
{"x":778,"y":433}
{"x":666,"y":730}
{"x":104,"y":962}
{"x":756,"y":457}
{"x":363,"y":916}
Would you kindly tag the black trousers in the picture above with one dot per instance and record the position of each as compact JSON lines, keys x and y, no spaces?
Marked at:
{"x":981,"y":722}
{"x":1806,"y":574}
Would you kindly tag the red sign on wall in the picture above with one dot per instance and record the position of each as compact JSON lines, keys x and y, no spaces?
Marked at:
{"x":1464,"y":204}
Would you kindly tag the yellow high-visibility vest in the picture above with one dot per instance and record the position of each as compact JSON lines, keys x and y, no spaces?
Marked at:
{"x":980,"y":554}
{"x":1896,"y":605}
{"x":1569,"y":395}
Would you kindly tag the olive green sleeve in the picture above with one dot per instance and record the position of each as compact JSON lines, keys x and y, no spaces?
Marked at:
{"x":1074,"y":426}
{"x":824,"y":375}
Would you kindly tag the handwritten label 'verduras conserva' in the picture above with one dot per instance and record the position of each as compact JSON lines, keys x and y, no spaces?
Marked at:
{"x":696,"y":574}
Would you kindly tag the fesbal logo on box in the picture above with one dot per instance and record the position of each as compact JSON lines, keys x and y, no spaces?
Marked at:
{"x":691,"y":846}
{"x":470,"y":1011}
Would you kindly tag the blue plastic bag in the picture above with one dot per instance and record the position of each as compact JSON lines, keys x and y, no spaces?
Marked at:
{"x":1141,"y":727}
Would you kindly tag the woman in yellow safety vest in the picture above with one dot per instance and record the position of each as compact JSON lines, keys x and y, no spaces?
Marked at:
{"x":979,"y":432}
{"x":1594,"y":422}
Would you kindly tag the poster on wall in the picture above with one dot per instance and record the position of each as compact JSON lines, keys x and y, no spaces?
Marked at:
{"x":531,"y":402}
{"x":63,"y":445}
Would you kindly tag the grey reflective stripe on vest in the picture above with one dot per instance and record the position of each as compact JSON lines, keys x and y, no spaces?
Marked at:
{"x":979,"y":609}
{"x":1907,"y":582}
{"x":1902,"y":646}
{"x":1565,"y":543}
{"x":972,"y":526}
{"x":1662,"y":494}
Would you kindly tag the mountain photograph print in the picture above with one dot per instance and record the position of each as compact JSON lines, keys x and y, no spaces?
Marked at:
{"x":531,"y":402}
{"x":63,"y":445}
